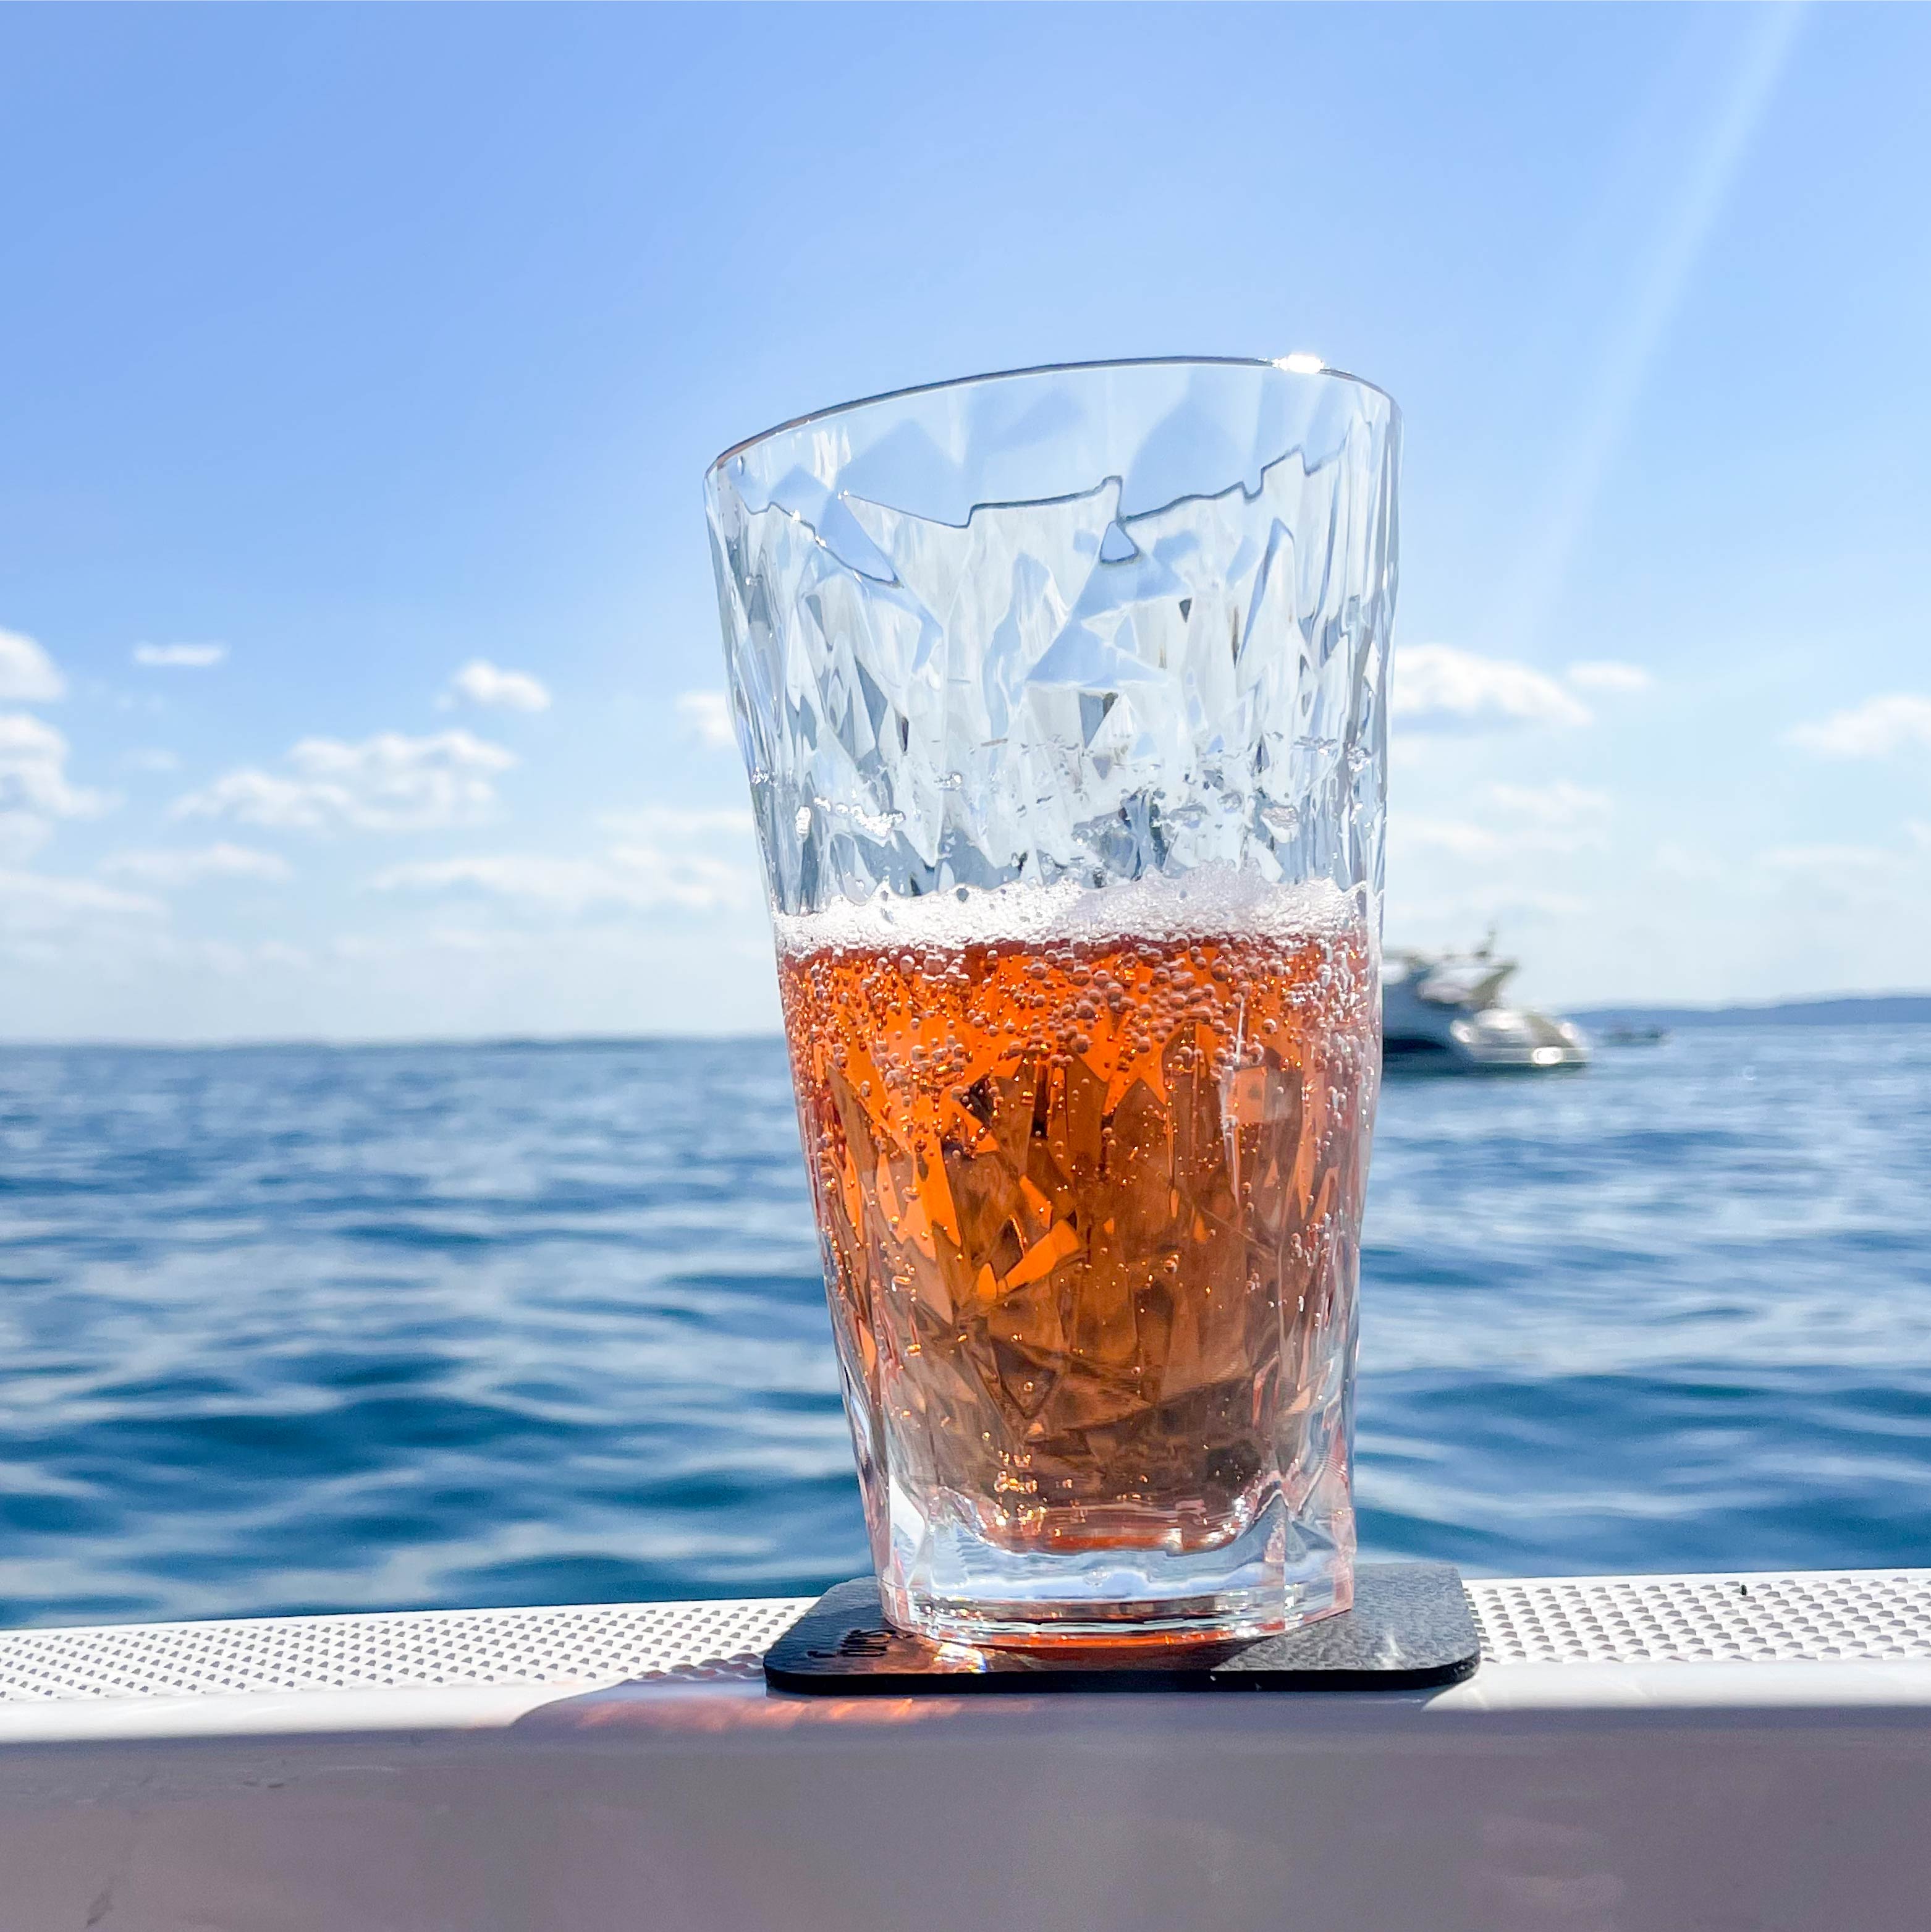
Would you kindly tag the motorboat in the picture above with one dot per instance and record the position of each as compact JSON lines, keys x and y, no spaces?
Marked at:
{"x":1444,"y":1012}
{"x":1636,"y":1035}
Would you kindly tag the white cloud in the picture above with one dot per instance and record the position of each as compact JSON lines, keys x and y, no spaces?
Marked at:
{"x":28,"y":675}
{"x":702,"y":881}
{"x":34,"y":786}
{"x":1455,"y":836}
{"x":637,"y":877}
{"x":365,"y":949}
{"x":179,"y":657}
{"x":1458,"y":920}
{"x":40,"y":902}
{"x":706,"y":716}
{"x":1675,"y":861}
{"x":699,"y":858}
{"x":1561,"y":818}
{"x":1606,"y":674}
{"x":1820,"y":882}
{"x":1561,"y":805}
{"x":233,"y":961}
{"x":652,"y":822}
{"x":187,"y":868}
{"x":388,"y":783}
{"x":21,"y":835}
{"x":482,"y":683}
{"x":1438,"y":688}
{"x":1920,"y":831}
{"x":1829,"y":859}
{"x":1876,"y":729}
{"x":568,"y":884}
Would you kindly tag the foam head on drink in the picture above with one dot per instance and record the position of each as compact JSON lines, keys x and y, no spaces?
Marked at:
{"x":1089,"y":1166}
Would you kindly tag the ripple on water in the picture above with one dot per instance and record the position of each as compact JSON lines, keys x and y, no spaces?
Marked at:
{"x":292,"y":1328}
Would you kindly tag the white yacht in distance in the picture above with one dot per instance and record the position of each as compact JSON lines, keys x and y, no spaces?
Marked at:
{"x":1444,"y":1012}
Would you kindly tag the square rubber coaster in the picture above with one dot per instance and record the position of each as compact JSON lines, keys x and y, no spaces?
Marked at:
{"x":1411,"y":1629}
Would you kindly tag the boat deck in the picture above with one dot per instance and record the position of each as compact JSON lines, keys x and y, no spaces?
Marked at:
{"x":1706,"y":1752}
{"x":1822,"y":1617}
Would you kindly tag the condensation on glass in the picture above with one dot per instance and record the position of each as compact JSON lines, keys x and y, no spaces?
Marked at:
{"x":1062,"y":696}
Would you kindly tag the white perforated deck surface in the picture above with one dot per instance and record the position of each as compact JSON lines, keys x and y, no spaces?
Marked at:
{"x":1819,"y":1617}
{"x":583,"y":1644}
{"x":1815,"y":1617}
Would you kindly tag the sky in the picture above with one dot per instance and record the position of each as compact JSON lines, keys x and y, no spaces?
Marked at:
{"x":359,"y":668}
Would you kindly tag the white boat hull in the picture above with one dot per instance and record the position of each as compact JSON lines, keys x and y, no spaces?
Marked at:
{"x":1425,"y":1028}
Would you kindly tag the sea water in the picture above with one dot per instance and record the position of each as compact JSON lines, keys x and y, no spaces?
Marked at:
{"x":289,"y":1328}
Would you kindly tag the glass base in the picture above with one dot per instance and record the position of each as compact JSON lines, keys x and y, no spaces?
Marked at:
{"x":1270,"y":1577}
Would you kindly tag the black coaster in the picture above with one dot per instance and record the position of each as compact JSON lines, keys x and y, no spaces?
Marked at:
{"x":1410,"y":1629}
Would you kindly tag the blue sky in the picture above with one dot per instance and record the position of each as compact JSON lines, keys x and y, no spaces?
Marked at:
{"x":358,"y":369}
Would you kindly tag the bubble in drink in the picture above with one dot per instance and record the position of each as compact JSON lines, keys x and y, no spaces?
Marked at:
{"x":1090,"y":1197}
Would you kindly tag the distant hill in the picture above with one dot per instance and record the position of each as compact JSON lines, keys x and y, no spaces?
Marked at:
{"x":1865,"y":1009}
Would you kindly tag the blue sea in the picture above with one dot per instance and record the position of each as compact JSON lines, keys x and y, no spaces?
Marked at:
{"x":303,"y":1328}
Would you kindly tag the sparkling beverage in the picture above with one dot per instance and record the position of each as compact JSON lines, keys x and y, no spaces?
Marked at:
{"x":1089,"y":1168}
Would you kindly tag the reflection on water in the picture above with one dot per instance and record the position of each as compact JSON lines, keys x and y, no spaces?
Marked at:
{"x":298,"y":1328}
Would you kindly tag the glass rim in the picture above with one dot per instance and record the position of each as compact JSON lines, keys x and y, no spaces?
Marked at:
{"x":1305,"y":363}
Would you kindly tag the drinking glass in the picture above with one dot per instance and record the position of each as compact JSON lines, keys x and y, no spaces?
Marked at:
{"x":1062,"y":696}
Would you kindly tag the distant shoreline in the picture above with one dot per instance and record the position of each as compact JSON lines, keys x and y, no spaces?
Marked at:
{"x":1849,"y":1010}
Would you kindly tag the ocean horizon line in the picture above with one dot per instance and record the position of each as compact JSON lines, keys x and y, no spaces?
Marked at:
{"x":1907,"y":1008}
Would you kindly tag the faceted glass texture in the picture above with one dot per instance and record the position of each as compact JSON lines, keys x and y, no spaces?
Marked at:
{"x":1063,"y":698}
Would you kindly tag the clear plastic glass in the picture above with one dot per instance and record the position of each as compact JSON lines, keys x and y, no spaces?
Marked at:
{"x":1062,"y":694}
